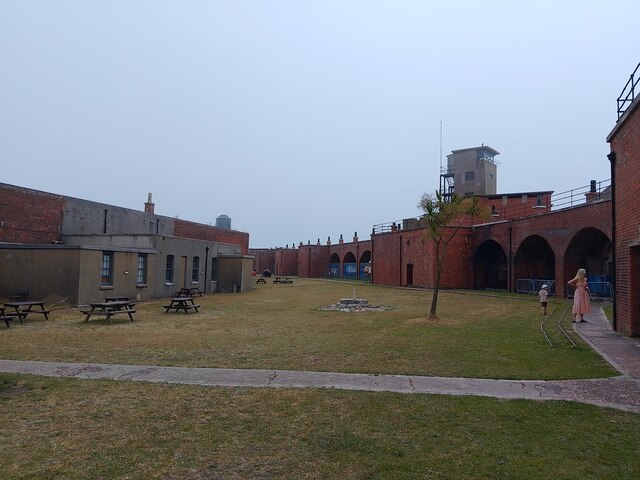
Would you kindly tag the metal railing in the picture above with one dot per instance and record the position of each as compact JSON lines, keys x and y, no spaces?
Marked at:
{"x":532,"y":286}
{"x":598,"y":291}
{"x":595,"y":191}
{"x":578,"y":196}
{"x":628,"y":93}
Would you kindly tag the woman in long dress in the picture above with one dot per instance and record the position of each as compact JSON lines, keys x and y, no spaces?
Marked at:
{"x":581,"y":301}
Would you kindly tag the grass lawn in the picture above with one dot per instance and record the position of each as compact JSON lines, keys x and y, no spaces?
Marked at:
{"x":280,"y":327}
{"x":56,"y":428}
{"x":76,"y":429}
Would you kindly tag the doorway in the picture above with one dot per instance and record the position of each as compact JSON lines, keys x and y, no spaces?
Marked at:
{"x":409,"y":274}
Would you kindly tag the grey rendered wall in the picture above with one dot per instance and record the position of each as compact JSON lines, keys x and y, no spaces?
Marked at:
{"x":82,"y":217}
{"x":124,"y":276}
{"x":50,"y":273}
{"x":184,"y":250}
{"x":234,"y":273}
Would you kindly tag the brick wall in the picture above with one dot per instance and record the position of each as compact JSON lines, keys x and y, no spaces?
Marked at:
{"x":512,"y":206}
{"x":624,"y":141}
{"x":263,"y":259}
{"x":286,"y":261}
{"x":199,"y":231}
{"x":29,"y":216}
{"x":407,"y":258}
{"x":313,"y":261}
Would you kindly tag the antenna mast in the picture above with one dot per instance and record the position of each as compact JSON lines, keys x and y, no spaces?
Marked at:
{"x":440,"y":146}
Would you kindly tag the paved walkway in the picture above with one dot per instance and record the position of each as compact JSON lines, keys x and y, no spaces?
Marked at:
{"x":622,"y":392}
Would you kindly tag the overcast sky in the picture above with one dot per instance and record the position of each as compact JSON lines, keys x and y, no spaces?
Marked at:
{"x":305,"y":119}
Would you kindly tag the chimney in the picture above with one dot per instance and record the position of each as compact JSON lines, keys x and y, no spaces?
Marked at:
{"x":328,"y":240}
{"x":592,"y":194}
{"x":149,"y":206}
{"x":355,"y":237}
{"x":340,"y":241}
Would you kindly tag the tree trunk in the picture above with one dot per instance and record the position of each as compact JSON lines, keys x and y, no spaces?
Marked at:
{"x":436,"y":288}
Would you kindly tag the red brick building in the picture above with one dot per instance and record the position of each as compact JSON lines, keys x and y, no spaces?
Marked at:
{"x":624,"y":142}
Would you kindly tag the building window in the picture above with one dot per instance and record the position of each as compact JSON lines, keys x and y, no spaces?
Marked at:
{"x":107,"y":269}
{"x":141,"y":275}
{"x":168,"y":270}
{"x":469,"y":176}
{"x":195,"y":270}
{"x":539,"y":200}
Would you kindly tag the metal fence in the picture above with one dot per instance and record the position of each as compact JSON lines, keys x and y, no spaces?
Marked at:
{"x":599,"y":291}
{"x":532,"y":286}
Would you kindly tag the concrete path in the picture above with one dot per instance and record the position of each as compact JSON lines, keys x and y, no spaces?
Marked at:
{"x":622,"y":392}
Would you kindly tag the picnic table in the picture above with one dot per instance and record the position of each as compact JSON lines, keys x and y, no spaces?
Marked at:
{"x":109,"y":309}
{"x":189,"y":292}
{"x":181,"y":303}
{"x":261,"y":280}
{"x":116,"y":299}
{"x":7,"y":317}
{"x":283,"y":280}
{"x":24,"y":308}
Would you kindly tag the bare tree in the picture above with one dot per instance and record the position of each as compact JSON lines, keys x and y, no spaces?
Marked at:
{"x":442,"y":220}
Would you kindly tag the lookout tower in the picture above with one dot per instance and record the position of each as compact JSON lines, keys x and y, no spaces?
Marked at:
{"x":470,"y":171}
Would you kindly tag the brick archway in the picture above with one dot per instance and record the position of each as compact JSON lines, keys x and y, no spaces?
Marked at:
{"x":490,"y":268}
{"x":534,"y":264}
{"x":349,"y":266}
{"x":591,"y":249}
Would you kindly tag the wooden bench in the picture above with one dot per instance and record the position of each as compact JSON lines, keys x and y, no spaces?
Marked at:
{"x":25,"y":308}
{"x":181,"y":303}
{"x":20,"y":296}
{"x":109,"y":309}
{"x":107,"y":313}
{"x":7,"y":317}
{"x":283,"y":280}
{"x":184,"y":307}
{"x":189,"y":292}
{"x":116,"y":299}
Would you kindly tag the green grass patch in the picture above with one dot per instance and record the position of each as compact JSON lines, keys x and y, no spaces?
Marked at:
{"x":71,"y":428}
{"x":280,"y":327}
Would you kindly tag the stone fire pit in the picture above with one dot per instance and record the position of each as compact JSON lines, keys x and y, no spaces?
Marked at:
{"x":354,"y":305}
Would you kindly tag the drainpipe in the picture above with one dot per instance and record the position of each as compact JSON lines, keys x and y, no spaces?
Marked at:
{"x":400,"y":279}
{"x":373,"y":243}
{"x":612,"y":159}
{"x":510,"y":263}
{"x":206,"y":268}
